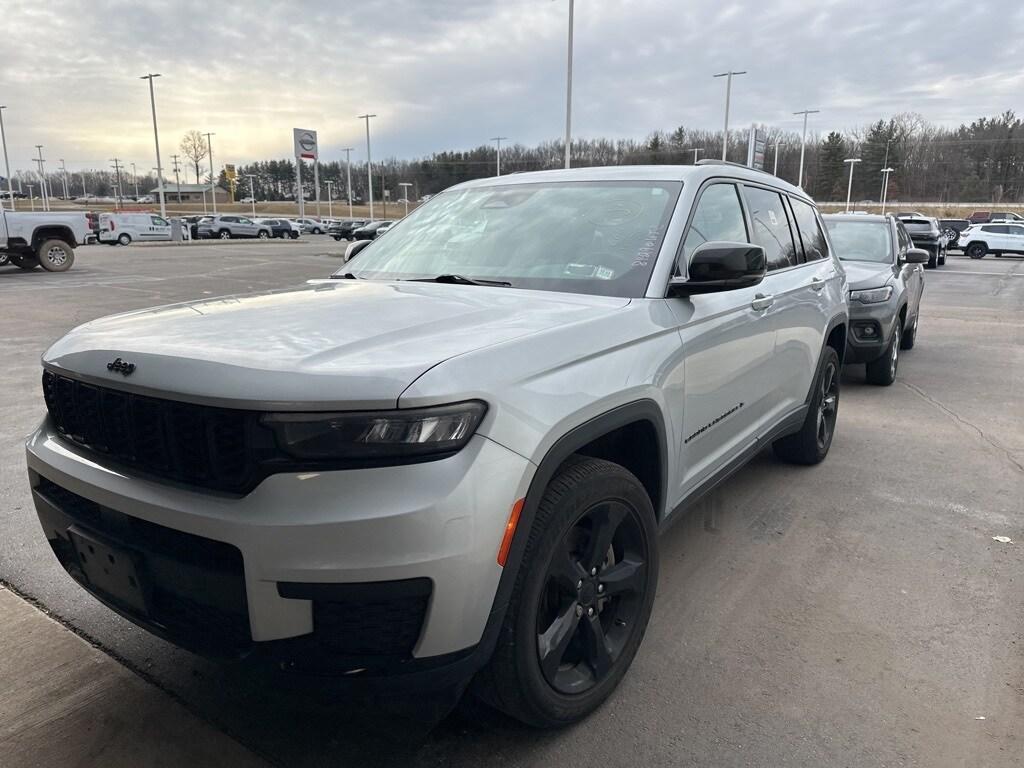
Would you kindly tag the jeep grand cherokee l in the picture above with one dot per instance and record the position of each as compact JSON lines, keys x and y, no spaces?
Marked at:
{"x":454,"y":457}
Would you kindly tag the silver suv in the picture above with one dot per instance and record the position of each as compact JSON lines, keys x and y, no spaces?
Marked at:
{"x":228,"y":226}
{"x":453,"y":458}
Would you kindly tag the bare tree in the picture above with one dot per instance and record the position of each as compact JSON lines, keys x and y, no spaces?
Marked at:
{"x":193,"y":146}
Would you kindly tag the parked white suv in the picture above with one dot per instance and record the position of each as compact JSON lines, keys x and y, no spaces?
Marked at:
{"x":981,"y":239}
{"x":454,"y":457}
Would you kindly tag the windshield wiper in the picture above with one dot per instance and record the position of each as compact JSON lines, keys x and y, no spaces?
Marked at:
{"x":346,"y":276}
{"x":460,"y":280}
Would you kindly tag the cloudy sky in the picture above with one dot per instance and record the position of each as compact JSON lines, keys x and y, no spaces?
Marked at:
{"x":446,"y":74}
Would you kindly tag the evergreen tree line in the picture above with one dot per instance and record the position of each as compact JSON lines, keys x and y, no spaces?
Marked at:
{"x":982,"y":161}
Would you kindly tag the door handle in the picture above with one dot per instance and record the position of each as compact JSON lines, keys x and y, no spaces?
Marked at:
{"x":762,"y":302}
{"x":817,"y":283}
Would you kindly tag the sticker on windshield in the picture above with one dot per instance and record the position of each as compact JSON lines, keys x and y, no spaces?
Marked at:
{"x":648,"y":247}
{"x":604,"y":273}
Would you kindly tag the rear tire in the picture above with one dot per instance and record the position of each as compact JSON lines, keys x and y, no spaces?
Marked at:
{"x":263,"y":235}
{"x":5,"y":259}
{"x":224,"y":234}
{"x":976,"y":250}
{"x":810,"y":445}
{"x":582,"y":597}
{"x":56,"y":256}
{"x":882,"y":372}
{"x":124,"y":238}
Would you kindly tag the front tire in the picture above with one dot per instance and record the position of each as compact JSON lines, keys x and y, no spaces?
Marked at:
{"x":976,"y":250}
{"x":224,"y":234}
{"x":882,"y":372}
{"x":56,"y":256}
{"x":810,"y":445}
{"x":263,"y":235}
{"x":582,"y":597}
{"x":909,"y":338}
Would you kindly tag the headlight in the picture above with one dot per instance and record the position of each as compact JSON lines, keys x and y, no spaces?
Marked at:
{"x":376,"y":434}
{"x":872,"y":295}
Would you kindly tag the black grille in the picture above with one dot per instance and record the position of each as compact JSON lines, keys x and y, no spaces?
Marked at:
{"x":193,"y":444}
{"x":196,"y":585}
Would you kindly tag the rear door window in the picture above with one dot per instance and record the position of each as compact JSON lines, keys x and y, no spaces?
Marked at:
{"x":771,"y":227}
{"x":809,"y":230}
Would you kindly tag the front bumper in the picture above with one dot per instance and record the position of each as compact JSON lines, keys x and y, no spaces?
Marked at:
{"x":371,"y":571}
{"x":871,"y":327}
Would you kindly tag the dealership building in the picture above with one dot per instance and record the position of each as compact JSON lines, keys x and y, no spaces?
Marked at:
{"x":191,"y":193}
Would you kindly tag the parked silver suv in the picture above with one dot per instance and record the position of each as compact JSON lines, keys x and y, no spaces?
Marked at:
{"x":228,"y":226}
{"x":454,"y":457}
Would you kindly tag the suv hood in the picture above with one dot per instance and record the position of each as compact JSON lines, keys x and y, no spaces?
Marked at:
{"x":331,"y":344}
{"x":866,"y":274}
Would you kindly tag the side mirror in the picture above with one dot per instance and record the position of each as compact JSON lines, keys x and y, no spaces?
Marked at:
{"x":721,"y":266}
{"x":917,"y":256}
{"x":354,"y":248}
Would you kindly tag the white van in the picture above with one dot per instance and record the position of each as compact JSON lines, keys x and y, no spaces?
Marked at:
{"x":125,"y":228}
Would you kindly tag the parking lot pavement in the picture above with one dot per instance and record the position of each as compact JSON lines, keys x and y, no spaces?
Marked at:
{"x":857,"y":613}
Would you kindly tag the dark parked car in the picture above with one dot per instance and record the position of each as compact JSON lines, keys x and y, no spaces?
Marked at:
{"x":192,"y":222}
{"x":952,"y":228}
{"x":370,"y":231}
{"x":343,"y":229}
{"x":926,"y":235}
{"x":886,"y":281}
{"x":280,"y":228}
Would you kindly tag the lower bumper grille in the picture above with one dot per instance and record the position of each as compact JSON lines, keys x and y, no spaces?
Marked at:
{"x":195,"y":587}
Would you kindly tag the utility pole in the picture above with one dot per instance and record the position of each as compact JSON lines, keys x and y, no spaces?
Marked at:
{"x":213,"y":179}
{"x":348,"y":176}
{"x":775,"y":170}
{"x":728,"y":94}
{"x":42,"y":178}
{"x":849,"y":186}
{"x":135,"y":179}
{"x":330,"y":199}
{"x":803,"y":145}
{"x":177,"y":179}
{"x":156,"y":141}
{"x":7,"y":163}
{"x":369,"y":166}
{"x":568,"y":91}
{"x":117,"y":174}
{"x":31,"y":197}
{"x":84,"y":193}
{"x":499,"y":139}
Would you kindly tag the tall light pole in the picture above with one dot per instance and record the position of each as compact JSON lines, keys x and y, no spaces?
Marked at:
{"x":728,"y":94}
{"x":213,"y":179}
{"x":775,"y":169}
{"x":803,"y":144}
{"x":330,"y":199}
{"x":405,"y":195}
{"x":7,"y":163}
{"x":64,"y":179}
{"x":885,"y":164}
{"x":568,"y":90}
{"x":252,"y":193}
{"x":695,"y":150}
{"x":849,"y":185}
{"x":31,"y":197}
{"x":156,"y":141}
{"x":42,"y":178}
{"x":85,"y":194}
{"x":498,"y":139}
{"x":135,"y":180}
{"x":177,"y":178}
{"x":885,"y":186}
{"x":369,"y":165}
{"x":348,"y":178}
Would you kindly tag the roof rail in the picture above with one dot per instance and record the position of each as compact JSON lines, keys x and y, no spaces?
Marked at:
{"x":713,"y":161}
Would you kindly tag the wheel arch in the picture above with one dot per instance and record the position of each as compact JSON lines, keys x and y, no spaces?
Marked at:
{"x":54,"y":232}
{"x":835,"y":337}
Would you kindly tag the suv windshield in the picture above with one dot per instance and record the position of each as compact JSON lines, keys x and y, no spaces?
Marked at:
{"x":860,"y":240}
{"x":596,"y":237}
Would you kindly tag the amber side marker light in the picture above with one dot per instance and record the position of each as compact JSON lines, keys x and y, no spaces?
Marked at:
{"x":510,"y":531}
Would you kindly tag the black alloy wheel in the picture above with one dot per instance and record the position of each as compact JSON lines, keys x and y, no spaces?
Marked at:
{"x":828,"y":405}
{"x":592,"y":596}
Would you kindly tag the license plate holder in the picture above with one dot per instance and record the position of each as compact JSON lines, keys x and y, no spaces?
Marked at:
{"x":110,"y":569}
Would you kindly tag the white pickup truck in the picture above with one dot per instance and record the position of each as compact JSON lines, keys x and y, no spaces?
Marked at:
{"x":29,"y":240}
